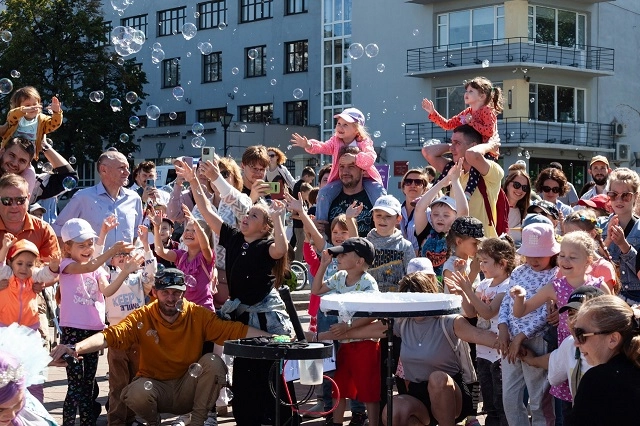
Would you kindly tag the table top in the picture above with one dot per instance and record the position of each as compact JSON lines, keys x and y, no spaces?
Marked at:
{"x":390,"y":305}
{"x":264,"y":348}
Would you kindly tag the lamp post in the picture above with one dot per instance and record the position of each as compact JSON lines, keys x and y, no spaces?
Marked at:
{"x":225,"y":120}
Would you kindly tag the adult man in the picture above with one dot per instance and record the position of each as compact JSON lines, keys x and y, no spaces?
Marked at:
{"x":174,"y":376}
{"x":352,"y":190}
{"x":255,"y":161}
{"x":599,"y":171}
{"x":109,"y":197}
{"x":141,"y":174}
{"x":308,"y":175}
{"x":466,"y":143}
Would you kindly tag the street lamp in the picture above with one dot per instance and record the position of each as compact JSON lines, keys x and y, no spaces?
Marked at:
{"x":225,"y":120}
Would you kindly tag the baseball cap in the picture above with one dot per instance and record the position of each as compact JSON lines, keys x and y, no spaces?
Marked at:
{"x":77,"y":230}
{"x":22,"y":246}
{"x":600,"y":201}
{"x":532,"y":218}
{"x":361,"y":246}
{"x":600,"y":158}
{"x":420,"y":264}
{"x":170,"y":278}
{"x":351,"y":115}
{"x":547,"y":207}
{"x":389,"y":204}
{"x":579,"y":296}
{"x":469,"y":226}
{"x":446,"y":200}
{"x":36,"y":206}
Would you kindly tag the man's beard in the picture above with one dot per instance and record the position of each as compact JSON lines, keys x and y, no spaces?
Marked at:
{"x":352,"y":183}
{"x":600,"y":181}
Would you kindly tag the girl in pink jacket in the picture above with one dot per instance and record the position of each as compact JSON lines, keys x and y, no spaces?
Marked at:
{"x":350,"y":131}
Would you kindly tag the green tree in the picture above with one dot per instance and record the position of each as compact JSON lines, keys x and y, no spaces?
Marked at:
{"x":61,"y":47}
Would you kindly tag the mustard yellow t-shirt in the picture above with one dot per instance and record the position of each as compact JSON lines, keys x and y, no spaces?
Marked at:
{"x":493,"y":180}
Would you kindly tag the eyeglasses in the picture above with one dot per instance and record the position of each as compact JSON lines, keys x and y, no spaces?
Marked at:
{"x":168,"y":279}
{"x":416,"y":182}
{"x":225,"y":173}
{"x":258,"y":169}
{"x":8,"y":201}
{"x":581,"y":335}
{"x":613,"y":195}
{"x":555,"y":189}
{"x":525,"y":188}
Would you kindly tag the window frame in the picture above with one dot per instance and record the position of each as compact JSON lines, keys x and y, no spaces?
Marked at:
{"x":210,"y":115}
{"x":291,"y":7}
{"x":108,"y":27}
{"x":179,"y":20}
{"x":291,"y":61}
{"x":578,"y":92}
{"x":168,"y":65}
{"x":443,"y":28}
{"x":165,"y":121}
{"x":296,"y":113}
{"x":136,"y":22}
{"x":249,"y":10}
{"x":579,"y":39}
{"x":250,"y":117}
{"x":250,"y":64}
{"x":221,"y":10}
{"x":206,"y":65}
{"x":455,"y":94}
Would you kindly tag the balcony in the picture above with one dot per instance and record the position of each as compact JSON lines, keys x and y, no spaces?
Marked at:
{"x":509,"y":53}
{"x":521,"y":131}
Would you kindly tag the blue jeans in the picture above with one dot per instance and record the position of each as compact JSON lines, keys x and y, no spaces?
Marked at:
{"x":490,"y":378}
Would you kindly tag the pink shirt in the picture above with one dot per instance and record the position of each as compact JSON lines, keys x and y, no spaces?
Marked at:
{"x":81,"y":304}
{"x":198,"y":274}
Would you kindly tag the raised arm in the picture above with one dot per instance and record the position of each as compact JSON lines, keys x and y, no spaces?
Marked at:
{"x":434,"y":154}
{"x":96,"y":262}
{"x":280,"y":244}
{"x":319,"y":286}
{"x":522,"y":307}
{"x":160,"y":249}
{"x":475,"y":155}
{"x":420,"y":213}
{"x":297,"y":206}
{"x":213,"y":220}
{"x":131,"y":265}
{"x":203,"y":239}
{"x":239,"y":203}
{"x":462,"y":205}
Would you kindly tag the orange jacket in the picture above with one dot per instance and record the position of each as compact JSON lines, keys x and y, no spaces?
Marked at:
{"x":18,"y":303}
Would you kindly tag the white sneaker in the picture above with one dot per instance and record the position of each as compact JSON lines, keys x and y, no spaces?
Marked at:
{"x":212,"y":419}
{"x":183,"y":420}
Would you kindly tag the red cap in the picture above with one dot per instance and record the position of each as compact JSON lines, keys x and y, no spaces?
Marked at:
{"x":600,"y":201}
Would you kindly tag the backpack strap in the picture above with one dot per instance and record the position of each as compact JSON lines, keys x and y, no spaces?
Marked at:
{"x":461,"y":350}
{"x":482,"y":187}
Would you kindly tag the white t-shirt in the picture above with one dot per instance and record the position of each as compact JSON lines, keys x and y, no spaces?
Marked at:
{"x":27,"y":129}
{"x":487,"y":294}
{"x":562,"y":364}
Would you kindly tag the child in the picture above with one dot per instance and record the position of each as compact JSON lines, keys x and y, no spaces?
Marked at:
{"x":577,"y":251}
{"x":485,"y":103}
{"x":25,"y":119}
{"x":82,"y":311}
{"x":356,"y":360}
{"x":497,"y":258}
{"x":393,"y":251}
{"x":463,"y":238}
{"x":166,"y":230}
{"x":540,"y":248}
{"x":350,"y":131}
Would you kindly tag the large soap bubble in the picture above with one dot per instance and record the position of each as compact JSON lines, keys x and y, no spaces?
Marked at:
{"x":134,"y":121}
{"x":131,"y":97}
{"x":371,"y":50}
{"x":178,"y":92}
{"x":153,"y":112}
{"x":197,"y":129}
{"x":189,"y":31}
{"x":356,"y":51}
{"x":157,"y":56}
{"x":6,"y":36}
{"x":6,"y":86}
{"x":205,"y":48}
{"x":69,"y":183}
{"x":116,"y":105}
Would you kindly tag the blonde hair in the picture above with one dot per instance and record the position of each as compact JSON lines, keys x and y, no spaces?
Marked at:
{"x":626,"y":176}
{"x":230,"y":165}
{"x":583,"y":240}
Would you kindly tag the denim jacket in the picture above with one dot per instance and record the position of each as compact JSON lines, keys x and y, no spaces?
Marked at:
{"x":272,"y":307}
{"x":628,"y":277}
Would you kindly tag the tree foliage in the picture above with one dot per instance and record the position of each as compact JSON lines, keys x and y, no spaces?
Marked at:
{"x":61,"y":48}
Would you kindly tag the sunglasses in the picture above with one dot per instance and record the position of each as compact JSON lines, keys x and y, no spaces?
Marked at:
{"x":581,"y":336}
{"x":170,"y":280}
{"x":272,"y":155}
{"x":518,"y":185}
{"x":555,"y":189}
{"x":416,"y":182}
{"x":8,"y":201}
{"x":613,"y":195}
{"x":225,"y":173}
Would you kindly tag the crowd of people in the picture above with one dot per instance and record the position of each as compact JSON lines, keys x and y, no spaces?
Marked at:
{"x":162,"y":277}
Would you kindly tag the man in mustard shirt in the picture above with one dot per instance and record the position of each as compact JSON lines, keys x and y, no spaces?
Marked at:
{"x":174,"y":377}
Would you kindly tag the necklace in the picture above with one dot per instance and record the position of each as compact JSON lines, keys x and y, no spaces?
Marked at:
{"x":424,"y":333}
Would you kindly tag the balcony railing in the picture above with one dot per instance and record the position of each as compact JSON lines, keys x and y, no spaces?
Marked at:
{"x":521,"y":130}
{"x":517,"y":50}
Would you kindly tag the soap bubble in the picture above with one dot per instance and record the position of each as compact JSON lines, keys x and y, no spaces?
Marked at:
{"x":156,"y":46}
{"x":532,"y":100}
{"x":131,"y":97}
{"x":527,"y":155}
{"x":222,"y":26}
{"x":188,"y":54}
{"x":148,"y":385}
{"x":298,"y":93}
{"x":235,"y":70}
{"x":197,"y":129}
{"x":195,"y":369}
{"x":416,"y":32}
{"x":196,"y":15}
{"x":134,"y":121}
{"x":72,"y":160}
{"x":96,"y":96}
{"x":274,"y":81}
{"x":173,"y":115}
{"x":383,"y":144}
{"x":243,"y":128}
{"x":15,"y":74}
{"x":430,"y":142}
{"x":6,"y":86}
{"x":235,"y":90}
{"x":205,"y":48}
{"x":376,"y":134}
{"x":120,"y":61}
{"x":69,"y":183}
{"x":356,"y":51}
{"x":198,"y":141}
{"x":252,"y":53}
{"x":189,"y":31}
{"x":47,"y":167}
{"x":124,"y":138}
{"x":371,"y":50}
{"x":485,"y":63}
{"x":140,"y":326}
{"x":157,"y":56}
{"x":6,"y":36}
{"x":178,"y":92}
{"x":115,"y":105}
{"x":153,"y":112}
{"x":380,"y":67}
{"x":39,"y":164}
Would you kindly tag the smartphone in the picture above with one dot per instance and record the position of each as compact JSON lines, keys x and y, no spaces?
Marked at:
{"x":274,"y":187}
{"x":208,"y":153}
{"x":151,"y":183}
{"x":188,"y":161}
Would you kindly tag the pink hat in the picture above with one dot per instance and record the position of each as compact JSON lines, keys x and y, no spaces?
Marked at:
{"x":539,"y":240}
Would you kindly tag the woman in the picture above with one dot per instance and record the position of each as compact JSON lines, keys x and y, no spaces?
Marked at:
{"x":414,"y":184}
{"x":607,"y":332}
{"x":435,"y":391}
{"x":552,"y":184}
{"x":517,"y":186}
{"x":277,"y":172}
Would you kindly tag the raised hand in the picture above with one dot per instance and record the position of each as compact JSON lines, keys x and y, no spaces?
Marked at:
{"x":54,"y":262}
{"x":184,"y":170}
{"x":517,"y":291}
{"x":55,"y":104}
{"x":294,"y":205}
{"x":155,"y":219}
{"x":299,"y":141}
{"x":8,"y":240}
{"x":427,"y":105}
{"x":187,"y":213}
{"x":354,"y":210}
{"x":143,"y":232}
{"x":122,"y":247}
{"x":276,"y":209}
{"x":109,"y":223}
{"x":210,"y":169}
{"x":133,"y":262}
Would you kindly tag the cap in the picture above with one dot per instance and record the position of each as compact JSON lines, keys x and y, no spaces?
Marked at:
{"x":170,"y":278}
{"x":389,"y":204}
{"x":469,"y":226}
{"x":446,"y":200}
{"x":579,"y":296}
{"x":361,"y":246}
{"x":532,"y":218}
{"x":600,"y":201}
{"x":546,"y":206}
{"x":351,"y":115}
{"x":420,"y":264}
{"x":77,"y":230}
{"x":22,"y":246}
{"x":600,"y":158}
{"x":35,"y":206}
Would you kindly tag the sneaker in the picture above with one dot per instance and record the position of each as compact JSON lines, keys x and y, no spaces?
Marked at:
{"x":212,"y":419}
{"x":182,"y":420}
{"x":358,"y":419}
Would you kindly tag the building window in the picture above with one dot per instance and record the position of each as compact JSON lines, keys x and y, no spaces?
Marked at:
{"x":256,"y":113}
{"x":142,"y":121}
{"x":212,"y":14}
{"x":470,"y":27}
{"x":557,"y":27}
{"x":254,"y":10}
{"x":170,"y":72}
{"x":212,"y":67}
{"x":297,"y":54}
{"x":165,"y":119}
{"x":170,"y":21}
{"x":138,"y":22}
{"x":106,"y":41}
{"x":210,"y":115}
{"x":256,"y":67}
{"x":556,"y":103}
{"x":449,"y":101}
{"x":296,"y":113}
{"x":296,"y":6}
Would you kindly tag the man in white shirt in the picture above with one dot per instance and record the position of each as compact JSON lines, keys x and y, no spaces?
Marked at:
{"x":599,"y":171}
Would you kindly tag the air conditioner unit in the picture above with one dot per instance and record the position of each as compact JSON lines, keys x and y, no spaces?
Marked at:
{"x":623,"y":152}
{"x":619,"y":129}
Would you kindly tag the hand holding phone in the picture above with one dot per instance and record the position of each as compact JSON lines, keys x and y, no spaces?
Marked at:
{"x":151,"y":183}
{"x":274,"y":187}
{"x":208,"y":154}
